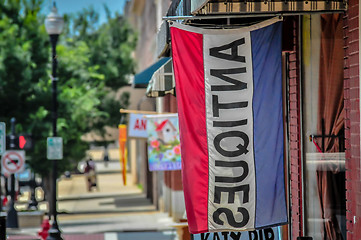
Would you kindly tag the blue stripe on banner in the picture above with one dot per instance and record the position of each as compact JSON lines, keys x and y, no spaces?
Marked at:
{"x":268,"y":126}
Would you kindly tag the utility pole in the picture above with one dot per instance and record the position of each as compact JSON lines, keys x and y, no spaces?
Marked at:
{"x":12,"y":218}
{"x":2,"y":151}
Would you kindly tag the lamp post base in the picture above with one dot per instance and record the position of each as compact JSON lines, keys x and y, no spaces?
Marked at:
{"x":12,"y":217}
{"x":54,"y":233}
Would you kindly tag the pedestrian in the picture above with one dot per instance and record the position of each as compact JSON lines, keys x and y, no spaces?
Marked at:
{"x":106,"y":156}
{"x":90,"y":174}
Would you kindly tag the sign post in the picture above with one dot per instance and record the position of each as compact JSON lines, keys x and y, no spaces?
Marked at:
{"x":13,"y":164}
{"x":2,"y":150}
{"x":2,"y":138}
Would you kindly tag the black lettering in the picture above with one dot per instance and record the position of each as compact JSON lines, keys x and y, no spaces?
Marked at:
{"x":230,"y":217}
{"x":269,"y":234}
{"x":235,"y":236}
{"x":215,"y":236}
{"x":260,"y":234}
{"x":231,"y":192}
{"x":216,"y":105}
{"x":232,"y":179}
{"x":253,"y":235}
{"x":232,"y":164}
{"x":216,"y":51}
{"x":243,"y":164}
{"x":242,"y":149}
{"x":235,"y":84}
{"x":225,"y":235}
{"x":204,"y":236}
{"x":230,"y":123}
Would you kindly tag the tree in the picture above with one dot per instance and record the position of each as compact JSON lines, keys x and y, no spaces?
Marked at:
{"x":90,"y":66}
{"x":24,"y":57}
{"x":111,"y":45}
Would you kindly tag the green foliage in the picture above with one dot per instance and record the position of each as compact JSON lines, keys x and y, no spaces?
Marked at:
{"x":24,"y":58}
{"x":93,"y":61}
{"x":111,"y":44}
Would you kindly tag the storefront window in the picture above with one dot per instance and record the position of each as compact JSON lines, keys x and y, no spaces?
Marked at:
{"x":323,"y":127}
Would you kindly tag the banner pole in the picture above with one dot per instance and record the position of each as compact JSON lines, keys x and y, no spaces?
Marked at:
{"x":140,"y":111}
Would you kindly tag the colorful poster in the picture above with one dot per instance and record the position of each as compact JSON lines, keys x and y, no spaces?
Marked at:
{"x":163,"y":142}
{"x":229,"y":96}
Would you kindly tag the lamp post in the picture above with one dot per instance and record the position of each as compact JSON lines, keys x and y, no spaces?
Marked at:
{"x":54,"y":25}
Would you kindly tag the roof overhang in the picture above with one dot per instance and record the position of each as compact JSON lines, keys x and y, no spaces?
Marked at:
{"x":163,"y":40}
{"x":204,"y":7}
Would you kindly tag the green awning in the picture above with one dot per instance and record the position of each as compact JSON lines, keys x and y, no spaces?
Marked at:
{"x":141,"y":80}
{"x":162,"y":82}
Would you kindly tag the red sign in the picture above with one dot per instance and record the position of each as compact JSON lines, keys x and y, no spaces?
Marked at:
{"x":13,"y":162}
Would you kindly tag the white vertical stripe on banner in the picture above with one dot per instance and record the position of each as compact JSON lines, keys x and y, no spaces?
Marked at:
{"x":228,"y":93}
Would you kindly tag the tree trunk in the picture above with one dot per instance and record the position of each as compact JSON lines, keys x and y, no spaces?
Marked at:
{"x":48,"y":191}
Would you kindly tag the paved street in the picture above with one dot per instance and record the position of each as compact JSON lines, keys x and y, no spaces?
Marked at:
{"x":111,"y":212}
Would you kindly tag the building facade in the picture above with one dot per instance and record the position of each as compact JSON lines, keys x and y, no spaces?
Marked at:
{"x":321,"y":92}
{"x":163,"y":187}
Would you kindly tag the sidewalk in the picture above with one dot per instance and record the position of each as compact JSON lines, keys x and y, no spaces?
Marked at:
{"x":165,"y":235}
{"x":112,"y":208}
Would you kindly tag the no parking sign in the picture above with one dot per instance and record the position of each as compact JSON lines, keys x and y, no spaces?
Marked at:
{"x":13,"y":162}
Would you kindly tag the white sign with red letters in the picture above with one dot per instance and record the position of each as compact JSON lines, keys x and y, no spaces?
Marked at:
{"x":137,"y":127}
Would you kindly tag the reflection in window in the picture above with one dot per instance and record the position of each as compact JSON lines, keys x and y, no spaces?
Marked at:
{"x":323,"y":127}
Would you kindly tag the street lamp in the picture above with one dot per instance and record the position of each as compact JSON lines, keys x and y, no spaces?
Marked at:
{"x":54,"y":25}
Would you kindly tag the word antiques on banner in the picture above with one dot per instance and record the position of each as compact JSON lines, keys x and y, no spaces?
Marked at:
{"x":229,"y":96}
{"x":163,"y":142}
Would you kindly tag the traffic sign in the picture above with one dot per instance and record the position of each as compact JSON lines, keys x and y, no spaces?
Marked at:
{"x":20,"y":142}
{"x":54,"y":148}
{"x":13,"y":162}
{"x":2,"y":138}
{"x":26,"y":142}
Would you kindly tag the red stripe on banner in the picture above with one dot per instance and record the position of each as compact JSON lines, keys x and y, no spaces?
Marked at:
{"x":187,"y":50}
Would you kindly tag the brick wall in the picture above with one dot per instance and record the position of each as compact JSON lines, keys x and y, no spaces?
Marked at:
{"x":295,"y":135}
{"x":352,"y":121}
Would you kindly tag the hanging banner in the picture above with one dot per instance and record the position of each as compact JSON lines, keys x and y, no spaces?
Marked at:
{"x":123,"y":150}
{"x":229,"y":96}
{"x":163,"y":142}
{"x":137,"y":126}
{"x":262,"y":234}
